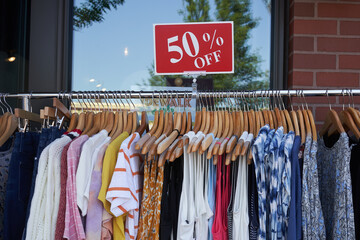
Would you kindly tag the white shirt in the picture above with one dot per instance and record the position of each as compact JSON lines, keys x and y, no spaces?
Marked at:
{"x":240,"y":213}
{"x":85,"y":168}
{"x":186,"y":219}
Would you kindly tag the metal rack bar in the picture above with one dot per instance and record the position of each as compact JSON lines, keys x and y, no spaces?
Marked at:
{"x":189,"y":94}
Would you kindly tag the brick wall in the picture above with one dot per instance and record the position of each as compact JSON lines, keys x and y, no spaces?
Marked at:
{"x":324,"y":50}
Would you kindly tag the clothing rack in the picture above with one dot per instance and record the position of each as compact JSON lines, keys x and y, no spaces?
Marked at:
{"x":184,"y":94}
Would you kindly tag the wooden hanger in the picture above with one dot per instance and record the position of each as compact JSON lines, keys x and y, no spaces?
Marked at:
{"x":225,"y":133}
{"x":173,"y":146}
{"x":222,"y":147}
{"x":251,"y":130}
{"x":302,"y":125}
{"x":237,"y":132}
{"x":34,"y":117}
{"x":220,"y":132}
{"x":167,"y":130}
{"x":202,"y":128}
{"x":146,"y":147}
{"x":178,"y":151}
{"x":172,"y":136}
{"x":147,"y":136}
{"x":144,"y":123}
{"x":11,"y":126}
{"x":312,"y":125}
{"x":240,"y":142}
{"x":61,"y":107}
{"x":332,"y":118}
{"x":129,"y":125}
{"x":199,"y":140}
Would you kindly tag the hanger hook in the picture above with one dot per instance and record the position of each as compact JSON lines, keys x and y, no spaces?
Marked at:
{"x":327,"y":95}
{"x":7,"y":105}
{"x":343,"y":94}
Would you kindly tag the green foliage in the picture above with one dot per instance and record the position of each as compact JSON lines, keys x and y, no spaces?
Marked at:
{"x":196,"y":11}
{"x":246,"y":65}
{"x":92,"y":11}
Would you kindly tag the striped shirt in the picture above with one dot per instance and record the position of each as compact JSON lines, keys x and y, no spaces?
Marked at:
{"x":124,"y":192}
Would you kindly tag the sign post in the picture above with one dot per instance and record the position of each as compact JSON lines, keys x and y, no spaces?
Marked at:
{"x":194,"y":48}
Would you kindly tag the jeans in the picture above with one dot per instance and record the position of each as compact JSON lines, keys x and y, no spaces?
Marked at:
{"x":19,"y":183}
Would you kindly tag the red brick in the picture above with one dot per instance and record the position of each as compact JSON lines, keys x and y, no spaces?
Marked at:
{"x":349,"y":62}
{"x":337,"y":79}
{"x":315,"y":26}
{"x":339,"y":10}
{"x":329,"y":44}
{"x":303,"y":43}
{"x":321,"y":112}
{"x":315,"y":100}
{"x":314,"y":61}
{"x":349,"y":28}
{"x":290,"y":63}
{"x":302,"y":9}
{"x":302,"y":78}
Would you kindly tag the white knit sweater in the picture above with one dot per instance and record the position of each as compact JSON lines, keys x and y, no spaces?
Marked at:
{"x":42,"y":221}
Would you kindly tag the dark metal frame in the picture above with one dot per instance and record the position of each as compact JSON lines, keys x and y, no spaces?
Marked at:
{"x":279,"y":44}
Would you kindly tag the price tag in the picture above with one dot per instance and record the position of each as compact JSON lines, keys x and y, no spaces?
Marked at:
{"x":206,"y":47}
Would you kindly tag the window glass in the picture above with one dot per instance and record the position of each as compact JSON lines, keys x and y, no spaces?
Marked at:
{"x":114,"y":50}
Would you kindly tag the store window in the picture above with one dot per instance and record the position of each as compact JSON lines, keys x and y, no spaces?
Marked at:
{"x":113,"y":42}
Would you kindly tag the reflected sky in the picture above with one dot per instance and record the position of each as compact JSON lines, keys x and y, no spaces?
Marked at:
{"x":116,"y":53}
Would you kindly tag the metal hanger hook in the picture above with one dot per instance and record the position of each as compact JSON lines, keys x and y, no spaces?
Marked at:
{"x":327,"y":95}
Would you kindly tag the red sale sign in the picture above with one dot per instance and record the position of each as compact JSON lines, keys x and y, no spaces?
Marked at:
{"x":192,"y":48}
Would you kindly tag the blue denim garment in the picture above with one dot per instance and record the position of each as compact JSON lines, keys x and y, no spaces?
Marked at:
{"x":286,"y":183}
{"x":276,"y":160}
{"x":335,"y":188}
{"x":19,"y":184}
{"x":294,"y":226}
{"x":258,"y":151}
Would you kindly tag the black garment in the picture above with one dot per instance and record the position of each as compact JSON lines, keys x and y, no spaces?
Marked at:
{"x":355,"y":183}
{"x":230,"y":209}
{"x":170,"y":200}
{"x":253,"y":203}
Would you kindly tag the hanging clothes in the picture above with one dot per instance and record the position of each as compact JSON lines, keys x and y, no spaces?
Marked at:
{"x":85,"y":167}
{"x":73,"y":225}
{"x":186,"y":221}
{"x":240,"y":216}
{"x":355,"y":183}
{"x":5,"y":157}
{"x":95,"y":208}
{"x":253,"y":203}
{"x":294,"y":228}
{"x":125,"y":189}
{"x":19,"y":183}
{"x":312,"y":216}
{"x":172,"y":187}
{"x":211,"y":194}
{"x":116,"y":228}
{"x":335,"y":188}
